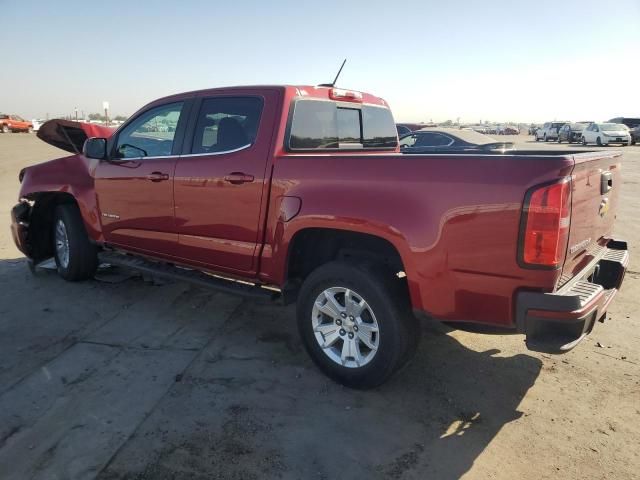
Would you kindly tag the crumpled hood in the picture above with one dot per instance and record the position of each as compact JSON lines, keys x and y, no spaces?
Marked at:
{"x":69,"y":135}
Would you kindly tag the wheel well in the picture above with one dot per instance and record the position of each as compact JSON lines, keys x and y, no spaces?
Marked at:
{"x":313,"y":247}
{"x":39,"y":237}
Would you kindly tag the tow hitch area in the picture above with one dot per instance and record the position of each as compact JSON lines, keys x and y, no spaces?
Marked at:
{"x":557,"y":322}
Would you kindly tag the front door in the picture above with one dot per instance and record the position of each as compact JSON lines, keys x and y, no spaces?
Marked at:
{"x":221,"y":179}
{"x":135,"y":187}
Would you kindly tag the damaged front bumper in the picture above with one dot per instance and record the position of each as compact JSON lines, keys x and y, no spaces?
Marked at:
{"x":556,"y":322}
{"x":20,"y":216}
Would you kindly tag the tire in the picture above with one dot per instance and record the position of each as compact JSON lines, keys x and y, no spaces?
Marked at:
{"x":584,"y":142}
{"x":537,"y":139}
{"x":30,"y":130}
{"x":5,"y":129}
{"x":559,"y":140}
{"x":545,"y":138}
{"x":598,"y":142}
{"x":392,"y":328}
{"x":80,"y":261}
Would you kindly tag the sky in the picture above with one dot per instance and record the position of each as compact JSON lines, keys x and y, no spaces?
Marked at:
{"x":522,"y":61}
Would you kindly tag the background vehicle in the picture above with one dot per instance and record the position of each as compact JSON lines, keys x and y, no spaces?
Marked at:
{"x":549,"y":131}
{"x":402,"y":130}
{"x":606,"y":134}
{"x":303,"y":189}
{"x":36,"y":124}
{"x":14,"y":123}
{"x":571,"y":132}
{"x":632,"y":123}
{"x":430,"y":140}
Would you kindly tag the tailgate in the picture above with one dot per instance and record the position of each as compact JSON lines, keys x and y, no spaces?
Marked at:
{"x":594,"y":201}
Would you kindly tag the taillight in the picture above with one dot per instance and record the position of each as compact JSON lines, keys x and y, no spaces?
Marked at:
{"x":547,"y":215}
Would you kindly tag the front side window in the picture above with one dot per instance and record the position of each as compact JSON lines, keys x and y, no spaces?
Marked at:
{"x":151,"y":134}
{"x":226,"y":123}
{"x":318,"y":124}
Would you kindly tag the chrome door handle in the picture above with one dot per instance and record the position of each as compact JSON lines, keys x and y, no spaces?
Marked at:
{"x":237,"y":178}
{"x":157,"y":176}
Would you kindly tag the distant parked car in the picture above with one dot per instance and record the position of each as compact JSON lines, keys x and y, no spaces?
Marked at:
{"x":36,"y":123}
{"x":402,"y":129}
{"x":432,"y":140}
{"x":14,"y":123}
{"x":510,"y":130}
{"x":549,"y":131}
{"x":633,"y":124}
{"x":606,"y":134}
{"x":571,"y":132}
{"x":532,"y":129}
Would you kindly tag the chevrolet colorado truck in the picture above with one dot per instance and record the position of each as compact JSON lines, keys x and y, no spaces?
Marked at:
{"x":303,"y":191}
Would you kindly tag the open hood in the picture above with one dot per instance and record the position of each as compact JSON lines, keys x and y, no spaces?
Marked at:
{"x":69,"y":135}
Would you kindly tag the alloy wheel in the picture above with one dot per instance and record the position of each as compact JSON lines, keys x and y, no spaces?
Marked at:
{"x":345,"y":327}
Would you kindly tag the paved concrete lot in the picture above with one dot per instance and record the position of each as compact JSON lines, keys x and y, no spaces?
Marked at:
{"x":123,"y":379}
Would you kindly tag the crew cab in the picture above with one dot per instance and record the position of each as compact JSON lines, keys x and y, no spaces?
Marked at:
{"x":14,"y":123}
{"x":303,"y":190}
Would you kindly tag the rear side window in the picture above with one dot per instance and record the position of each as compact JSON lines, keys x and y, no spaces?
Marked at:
{"x":317,"y":124}
{"x":226,"y":123}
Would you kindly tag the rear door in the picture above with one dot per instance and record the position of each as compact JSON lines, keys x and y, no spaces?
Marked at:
{"x":221,"y":179}
{"x":135,"y":187}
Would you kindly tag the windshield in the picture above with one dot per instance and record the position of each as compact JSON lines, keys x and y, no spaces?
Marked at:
{"x":612,"y":127}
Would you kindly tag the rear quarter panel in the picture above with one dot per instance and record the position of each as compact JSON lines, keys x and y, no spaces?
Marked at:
{"x":454,"y":219}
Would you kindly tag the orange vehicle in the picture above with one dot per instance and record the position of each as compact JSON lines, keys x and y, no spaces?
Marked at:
{"x":14,"y":123}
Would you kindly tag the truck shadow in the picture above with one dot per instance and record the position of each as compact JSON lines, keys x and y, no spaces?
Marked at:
{"x":252,"y":404}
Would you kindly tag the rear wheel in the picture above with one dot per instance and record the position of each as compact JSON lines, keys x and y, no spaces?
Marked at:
{"x":356,"y":324}
{"x":76,"y":257}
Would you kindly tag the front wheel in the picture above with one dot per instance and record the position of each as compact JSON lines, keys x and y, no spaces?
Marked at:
{"x":598,"y":142}
{"x":76,"y":257}
{"x":356,"y":324}
{"x":30,"y":130}
{"x":5,"y":129}
{"x":584,"y":142}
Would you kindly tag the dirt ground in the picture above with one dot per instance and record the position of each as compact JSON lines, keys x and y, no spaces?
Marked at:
{"x":129,"y":380}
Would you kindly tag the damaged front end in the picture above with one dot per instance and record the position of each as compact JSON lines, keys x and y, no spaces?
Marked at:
{"x":20,"y":220}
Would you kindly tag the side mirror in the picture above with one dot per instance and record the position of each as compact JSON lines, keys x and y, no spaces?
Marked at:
{"x":95,"y":148}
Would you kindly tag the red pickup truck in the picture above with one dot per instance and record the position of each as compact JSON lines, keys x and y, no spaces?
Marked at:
{"x":302,"y":190}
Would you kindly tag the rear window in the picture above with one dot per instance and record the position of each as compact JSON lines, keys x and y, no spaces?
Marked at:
{"x":318,"y":124}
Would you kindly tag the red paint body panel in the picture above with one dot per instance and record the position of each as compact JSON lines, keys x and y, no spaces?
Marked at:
{"x":454,"y":219}
{"x":218,"y":222}
{"x":135,"y":211}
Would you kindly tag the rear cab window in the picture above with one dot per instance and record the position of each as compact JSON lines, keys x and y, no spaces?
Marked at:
{"x":317,"y":124}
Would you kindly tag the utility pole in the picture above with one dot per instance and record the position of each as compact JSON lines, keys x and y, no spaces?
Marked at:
{"x":76,"y":112}
{"x":105,"y":105}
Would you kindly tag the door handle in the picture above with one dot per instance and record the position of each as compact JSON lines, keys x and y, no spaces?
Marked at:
{"x":237,"y":178}
{"x":157,"y":176}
